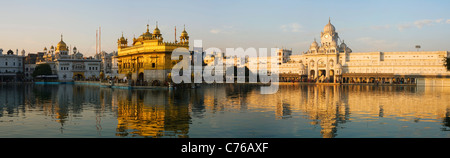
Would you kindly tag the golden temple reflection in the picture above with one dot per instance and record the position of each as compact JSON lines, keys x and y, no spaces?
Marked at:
{"x":143,"y":113}
{"x":327,"y":111}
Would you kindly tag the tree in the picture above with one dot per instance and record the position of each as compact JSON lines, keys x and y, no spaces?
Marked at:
{"x":42,"y":69}
{"x":447,"y":63}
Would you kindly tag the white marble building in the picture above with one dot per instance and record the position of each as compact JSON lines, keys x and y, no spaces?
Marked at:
{"x":11,"y":65}
{"x":333,"y":61}
{"x":69,"y":66}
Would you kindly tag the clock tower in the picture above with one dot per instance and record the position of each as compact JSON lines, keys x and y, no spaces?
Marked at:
{"x":329,"y":36}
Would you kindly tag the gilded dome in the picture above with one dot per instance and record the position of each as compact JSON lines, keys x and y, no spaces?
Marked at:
{"x":184,"y":36}
{"x":146,"y":34}
{"x":61,"y":43}
{"x":156,"y":31}
{"x":122,"y":40}
{"x":61,"y":46}
{"x":184,"y":33}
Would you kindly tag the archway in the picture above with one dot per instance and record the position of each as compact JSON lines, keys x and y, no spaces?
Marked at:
{"x":332,"y":75}
{"x":312,"y":73}
{"x":140,"y":78}
{"x":79,"y":77}
{"x":321,"y":75}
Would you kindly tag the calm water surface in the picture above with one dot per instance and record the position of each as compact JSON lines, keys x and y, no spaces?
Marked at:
{"x":225,"y":111}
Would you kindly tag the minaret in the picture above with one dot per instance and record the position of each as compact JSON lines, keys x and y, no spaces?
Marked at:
{"x":100,"y":40}
{"x":96,"y":42}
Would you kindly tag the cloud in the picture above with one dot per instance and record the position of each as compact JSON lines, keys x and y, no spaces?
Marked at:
{"x":293,"y":27}
{"x":421,"y":23}
{"x":215,"y":31}
{"x":439,"y":20}
{"x":401,"y":27}
{"x":381,"y":27}
{"x":223,"y":30}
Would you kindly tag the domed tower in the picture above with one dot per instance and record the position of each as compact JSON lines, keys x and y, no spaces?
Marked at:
{"x":157,"y":32}
{"x":52,"y":49}
{"x":314,"y":47}
{"x":146,"y":35}
{"x":343,"y":48}
{"x":329,"y":36}
{"x":184,"y":38}
{"x":10,"y":52}
{"x":61,"y":47}
{"x":122,"y":42}
{"x":74,"y":50}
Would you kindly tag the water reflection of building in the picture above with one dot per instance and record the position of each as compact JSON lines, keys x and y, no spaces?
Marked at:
{"x":150,"y":114}
{"x":331,"y":107}
{"x":10,"y":99}
{"x":161,"y":113}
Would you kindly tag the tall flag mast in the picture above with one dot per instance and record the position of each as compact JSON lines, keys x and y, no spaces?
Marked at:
{"x":100,"y":40}
{"x":96,"y":42}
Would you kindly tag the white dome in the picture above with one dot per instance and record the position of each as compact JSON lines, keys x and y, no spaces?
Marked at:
{"x":329,"y":27}
{"x":314,"y":44}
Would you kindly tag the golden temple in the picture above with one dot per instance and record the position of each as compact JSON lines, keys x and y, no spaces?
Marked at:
{"x":148,"y":59}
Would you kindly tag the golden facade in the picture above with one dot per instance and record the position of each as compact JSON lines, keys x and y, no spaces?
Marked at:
{"x":149,"y":57}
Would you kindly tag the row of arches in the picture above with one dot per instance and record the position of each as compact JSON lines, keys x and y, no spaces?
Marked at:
{"x":380,"y":80}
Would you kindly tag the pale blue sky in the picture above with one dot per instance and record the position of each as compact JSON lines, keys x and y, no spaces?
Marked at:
{"x":364,"y":25}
